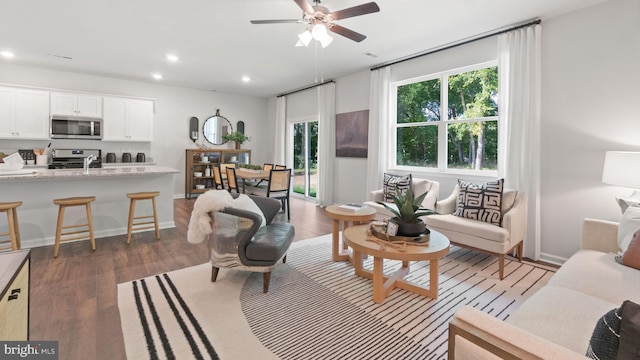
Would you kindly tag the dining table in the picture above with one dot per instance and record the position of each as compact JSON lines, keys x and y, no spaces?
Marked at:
{"x":247,"y":174}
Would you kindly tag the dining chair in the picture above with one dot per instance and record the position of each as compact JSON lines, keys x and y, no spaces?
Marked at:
{"x":278,"y":188}
{"x":280,"y":167}
{"x":224,"y":166}
{"x":232,"y":181}
{"x":218,"y":183}
{"x":265,"y":167}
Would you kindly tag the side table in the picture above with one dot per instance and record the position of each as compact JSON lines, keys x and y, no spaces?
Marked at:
{"x":339,"y":215}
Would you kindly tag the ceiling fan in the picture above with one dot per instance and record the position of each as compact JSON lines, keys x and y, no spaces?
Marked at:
{"x":320,"y":15}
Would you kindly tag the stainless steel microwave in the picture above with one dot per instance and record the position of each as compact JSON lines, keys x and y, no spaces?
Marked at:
{"x":73,"y":127}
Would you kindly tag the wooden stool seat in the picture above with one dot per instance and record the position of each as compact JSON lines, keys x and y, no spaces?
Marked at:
{"x":141,"y":225}
{"x":13,"y":236}
{"x":73,"y":235}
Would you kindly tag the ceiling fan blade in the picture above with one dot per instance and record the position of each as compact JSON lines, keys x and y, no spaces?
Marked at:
{"x":341,"y":30}
{"x":363,"y":9}
{"x":283,"y":21}
{"x":305,"y":6}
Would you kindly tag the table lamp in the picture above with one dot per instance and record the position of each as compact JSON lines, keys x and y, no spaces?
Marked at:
{"x":622,"y":168}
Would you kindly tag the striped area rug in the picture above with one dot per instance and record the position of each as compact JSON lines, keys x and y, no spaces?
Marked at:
{"x":315,"y":308}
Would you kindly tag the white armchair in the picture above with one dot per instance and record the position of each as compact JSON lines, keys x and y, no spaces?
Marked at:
{"x":418,"y":186}
{"x":481,"y":236}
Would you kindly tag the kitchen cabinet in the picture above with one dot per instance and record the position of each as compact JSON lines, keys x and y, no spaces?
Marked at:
{"x":24,"y":113}
{"x":127,"y":119}
{"x":14,"y":302}
{"x":71,"y":104}
{"x":194,"y":163}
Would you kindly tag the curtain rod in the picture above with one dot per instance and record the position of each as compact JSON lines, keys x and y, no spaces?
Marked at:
{"x":453,"y":45}
{"x":307,"y":88}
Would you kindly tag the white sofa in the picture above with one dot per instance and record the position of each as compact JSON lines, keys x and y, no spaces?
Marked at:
{"x":481,"y":236}
{"x":556,"y":322}
{"x":418,"y":186}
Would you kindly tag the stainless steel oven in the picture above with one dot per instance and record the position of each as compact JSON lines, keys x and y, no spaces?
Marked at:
{"x":73,"y":127}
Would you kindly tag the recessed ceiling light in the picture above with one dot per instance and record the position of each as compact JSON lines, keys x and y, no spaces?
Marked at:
{"x":7,"y":54}
{"x":157,"y":76}
{"x":172,"y":57}
{"x":246,"y":79}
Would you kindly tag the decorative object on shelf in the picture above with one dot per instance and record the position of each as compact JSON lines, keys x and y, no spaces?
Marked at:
{"x":215,"y":127}
{"x":236,"y":136}
{"x":407,"y":213}
{"x":193,"y":129}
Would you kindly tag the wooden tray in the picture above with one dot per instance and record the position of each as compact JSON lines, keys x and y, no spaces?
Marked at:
{"x":380,"y":232}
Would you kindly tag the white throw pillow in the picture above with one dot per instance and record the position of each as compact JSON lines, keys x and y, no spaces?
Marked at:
{"x":245,"y":203}
{"x":629,"y":224}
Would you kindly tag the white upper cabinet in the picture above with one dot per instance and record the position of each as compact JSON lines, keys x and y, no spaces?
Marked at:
{"x":127,"y":119}
{"x":76,"y":105}
{"x":24,"y":113}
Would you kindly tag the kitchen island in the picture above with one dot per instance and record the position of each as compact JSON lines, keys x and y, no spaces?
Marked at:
{"x":37,"y":188}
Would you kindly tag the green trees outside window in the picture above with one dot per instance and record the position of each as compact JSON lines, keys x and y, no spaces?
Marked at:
{"x":456,"y":113}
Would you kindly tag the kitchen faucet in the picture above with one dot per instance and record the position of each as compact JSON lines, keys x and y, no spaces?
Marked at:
{"x":87,"y":161}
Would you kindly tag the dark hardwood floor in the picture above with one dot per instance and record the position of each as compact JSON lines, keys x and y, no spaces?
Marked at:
{"x":74,"y":297}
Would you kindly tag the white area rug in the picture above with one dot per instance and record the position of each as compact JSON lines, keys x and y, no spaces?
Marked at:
{"x":315,"y":308}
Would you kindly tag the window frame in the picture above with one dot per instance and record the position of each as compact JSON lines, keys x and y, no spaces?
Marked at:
{"x":442,"y":124}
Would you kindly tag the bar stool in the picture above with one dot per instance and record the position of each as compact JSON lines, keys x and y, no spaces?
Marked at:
{"x":68,"y":202}
{"x":13,"y":241}
{"x":132,"y":209}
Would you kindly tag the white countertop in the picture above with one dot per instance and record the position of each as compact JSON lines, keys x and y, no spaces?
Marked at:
{"x":119,"y":171}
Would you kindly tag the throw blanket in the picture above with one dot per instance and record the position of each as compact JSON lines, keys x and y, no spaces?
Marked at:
{"x":201,"y":224}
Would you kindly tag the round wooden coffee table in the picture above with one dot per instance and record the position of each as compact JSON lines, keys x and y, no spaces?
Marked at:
{"x":438,"y":246}
{"x":338,"y":215}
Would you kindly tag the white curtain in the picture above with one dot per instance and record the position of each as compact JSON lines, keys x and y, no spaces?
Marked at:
{"x":326,"y":142}
{"x":378,"y":153}
{"x":519,"y":66}
{"x":279,"y":153}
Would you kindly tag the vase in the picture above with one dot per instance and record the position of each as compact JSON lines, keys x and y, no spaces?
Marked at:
{"x":237,"y":145}
{"x":410,"y":229}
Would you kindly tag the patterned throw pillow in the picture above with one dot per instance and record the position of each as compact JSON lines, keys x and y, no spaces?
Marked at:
{"x":605,"y":337}
{"x":403,"y":182}
{"x":480,"y":202}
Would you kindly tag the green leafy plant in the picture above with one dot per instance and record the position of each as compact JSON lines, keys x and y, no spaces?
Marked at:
{"x":236,"y":136}
{"x":251,"y":167}
{"x":408,"y":206}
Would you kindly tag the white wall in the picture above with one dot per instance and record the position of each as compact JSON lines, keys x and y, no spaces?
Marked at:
{"x":590,"y":73}
{"x":590,"y":93}
{"x":174,"y":106}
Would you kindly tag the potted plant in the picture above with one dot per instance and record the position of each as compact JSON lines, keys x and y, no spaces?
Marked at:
{"x":236,"y":136}
{"x":408,"y":212}
{"x":256,"y":169}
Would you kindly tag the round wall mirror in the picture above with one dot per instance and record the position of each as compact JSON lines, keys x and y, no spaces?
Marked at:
{"x":215,"y":127}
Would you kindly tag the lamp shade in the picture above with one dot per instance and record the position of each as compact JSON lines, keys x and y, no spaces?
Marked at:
{"x":622,"y":168}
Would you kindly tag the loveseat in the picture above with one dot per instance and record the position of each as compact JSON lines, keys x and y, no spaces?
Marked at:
{"x":418,"y":186}
{"x":556,"y":322}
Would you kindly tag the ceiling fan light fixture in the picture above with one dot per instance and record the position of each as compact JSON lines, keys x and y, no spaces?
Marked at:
{"x":319,"y":32}
{"x":326,"y":41}
{"x":304,"y":38}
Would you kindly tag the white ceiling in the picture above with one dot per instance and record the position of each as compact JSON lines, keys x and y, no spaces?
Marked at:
{"x":217,"y":45}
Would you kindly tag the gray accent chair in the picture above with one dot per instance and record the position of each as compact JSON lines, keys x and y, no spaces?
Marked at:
{"x":238,"y":242}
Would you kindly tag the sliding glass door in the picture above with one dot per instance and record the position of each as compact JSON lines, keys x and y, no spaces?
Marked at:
{"x":305,"y":158}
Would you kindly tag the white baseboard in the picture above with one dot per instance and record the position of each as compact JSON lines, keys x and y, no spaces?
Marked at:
{"x":552,"y":259}
{"x":50,"y":240}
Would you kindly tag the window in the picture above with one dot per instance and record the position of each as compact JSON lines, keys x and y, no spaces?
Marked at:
{"x":448,"y":121}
